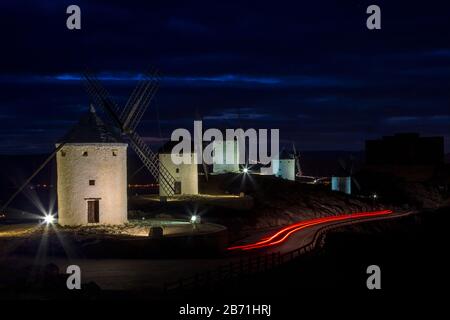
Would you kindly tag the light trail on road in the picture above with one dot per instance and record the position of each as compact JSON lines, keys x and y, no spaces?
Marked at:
{"x":282,"y":235}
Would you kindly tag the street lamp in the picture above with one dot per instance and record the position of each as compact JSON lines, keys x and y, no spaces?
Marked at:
{"x":195,"y":219}
{"x":49,"y":219}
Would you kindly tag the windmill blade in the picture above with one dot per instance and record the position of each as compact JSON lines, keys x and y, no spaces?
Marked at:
{"x":152,"y":163}
{"x":205,"y":170}
{"x":103,"y":93}
{"x":137,"y":106}
{"x":136,"y":172}
{"x":144,"y":103}
{"x":297,"y":160}
{"x":23,"y":186}
{"x":204,"y":165}
{"x":101,"y":98}
{"x":342,"y":164}
{"x":147,"y":156}
{"x":34,"y":174}
{"x":141,"y":84}
{"x":358,"y":186}
{"x":352,"y":164}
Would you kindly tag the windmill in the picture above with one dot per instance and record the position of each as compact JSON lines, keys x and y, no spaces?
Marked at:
{"x":126,"y":121}
{"x":344,"y":181}
{"x":123,"y":121}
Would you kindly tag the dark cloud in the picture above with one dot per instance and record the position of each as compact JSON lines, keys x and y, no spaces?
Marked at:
{"x":311,"y":69}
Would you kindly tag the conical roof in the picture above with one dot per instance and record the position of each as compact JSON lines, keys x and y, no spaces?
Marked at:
{"x":285,"y":155}
{"x":91,"y":129}
{"x":169,"y":145}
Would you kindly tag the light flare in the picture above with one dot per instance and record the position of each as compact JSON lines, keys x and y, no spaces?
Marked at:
{"x":282,"y":235}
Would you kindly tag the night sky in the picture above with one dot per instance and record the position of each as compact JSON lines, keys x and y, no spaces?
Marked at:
{"x":310,"y":68}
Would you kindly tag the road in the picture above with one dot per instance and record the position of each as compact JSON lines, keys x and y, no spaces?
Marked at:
{"x":289,"y":234}
{"x":135,"y":274}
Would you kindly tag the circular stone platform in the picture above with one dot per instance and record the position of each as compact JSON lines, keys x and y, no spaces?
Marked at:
{"x":141,"y":228}
{"x":132,"y":240}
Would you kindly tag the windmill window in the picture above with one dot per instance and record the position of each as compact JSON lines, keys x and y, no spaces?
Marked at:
{"x":92,"y":182}
{"x":114,"y":153}
{"x":63,"y":153}
{"x":85,"y":154}
{"x":177,"y":170}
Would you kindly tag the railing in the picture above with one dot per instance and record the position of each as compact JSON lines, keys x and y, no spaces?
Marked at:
{"x":253,"y":264}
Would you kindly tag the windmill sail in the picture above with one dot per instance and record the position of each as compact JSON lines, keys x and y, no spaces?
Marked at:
{"x":136,"y":107}
{"x":102,"y":99}
{"x":204,"y":165}
{"x":299,"y":171}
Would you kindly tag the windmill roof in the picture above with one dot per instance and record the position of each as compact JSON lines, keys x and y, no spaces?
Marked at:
{"x":91,"y":129}
{"x":285,"y":155}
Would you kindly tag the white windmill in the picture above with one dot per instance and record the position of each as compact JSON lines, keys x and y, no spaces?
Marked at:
{"x":102,"y":158}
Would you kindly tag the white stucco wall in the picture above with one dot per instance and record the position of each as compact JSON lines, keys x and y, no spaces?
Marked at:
{"x":187,"y":173}
{"x":224,"y":150}
{"x":110,"y":174}
{"x":284,"y":168}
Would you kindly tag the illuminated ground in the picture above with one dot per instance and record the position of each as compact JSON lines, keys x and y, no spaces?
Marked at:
{"x":17,"y":230}
{"x":138,"y":228}
{"x":222,"y":200}
{"x":137,"y":274}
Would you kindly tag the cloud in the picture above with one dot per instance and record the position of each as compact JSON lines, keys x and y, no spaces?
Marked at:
{"x":422,"y":120}
{"x":186,"y":26}
{"x":308,"y":68}
{"x":229,"y":80}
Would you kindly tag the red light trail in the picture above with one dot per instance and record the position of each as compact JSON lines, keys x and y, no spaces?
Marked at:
{"x":282,"y":235}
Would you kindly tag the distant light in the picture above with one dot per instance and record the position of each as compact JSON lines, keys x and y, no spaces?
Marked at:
{"x":49,"y":219}
{"x":195,"y":219}
{"x":375,"y":196}
{"x":245,"y":170}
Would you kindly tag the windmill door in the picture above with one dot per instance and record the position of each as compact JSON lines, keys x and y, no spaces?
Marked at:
{"x":177,"y":187}
{"x":93,"y":211}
